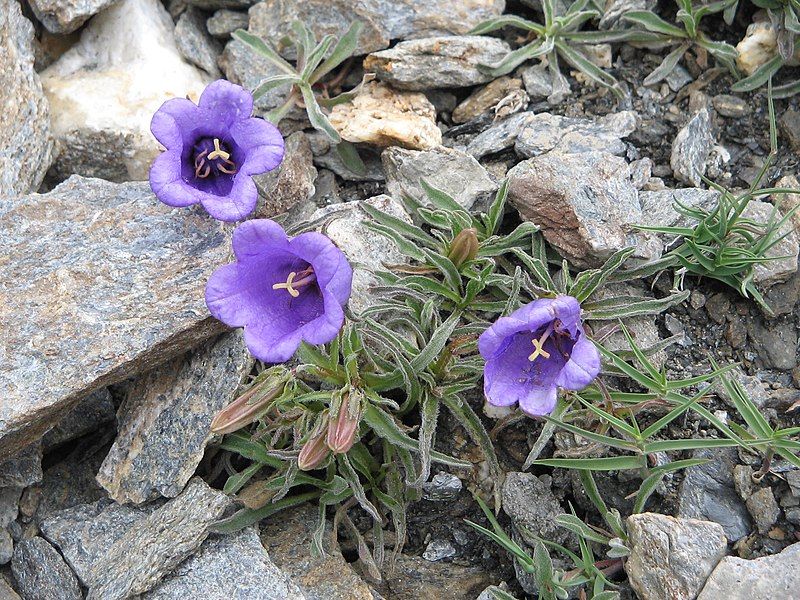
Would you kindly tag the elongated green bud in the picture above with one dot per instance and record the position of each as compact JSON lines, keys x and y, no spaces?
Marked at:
{"x":464,"y":247}
{"x":343,"y":428}
{"x":253,"y":403}
{"x":313,"y":452}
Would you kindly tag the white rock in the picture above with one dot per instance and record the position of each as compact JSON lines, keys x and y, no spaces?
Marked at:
{"x":104,"y":91}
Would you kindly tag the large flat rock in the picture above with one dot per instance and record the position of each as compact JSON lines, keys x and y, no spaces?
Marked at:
{"x":26,"y":150}
{"x":98,"y":281}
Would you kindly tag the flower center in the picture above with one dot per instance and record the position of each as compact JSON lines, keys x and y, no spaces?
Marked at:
{"x":538,"y":344}
{"x":212,"y":156}
{"x":307,"y":276}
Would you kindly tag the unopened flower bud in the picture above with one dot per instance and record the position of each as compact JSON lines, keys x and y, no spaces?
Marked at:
{"x":253,"y":403}
{"x":464,"y":247}
{"x":313,"y":452}
{"x":343,"y":428}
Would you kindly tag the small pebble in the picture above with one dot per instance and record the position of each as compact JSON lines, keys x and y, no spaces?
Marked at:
{"x":730,"y":106}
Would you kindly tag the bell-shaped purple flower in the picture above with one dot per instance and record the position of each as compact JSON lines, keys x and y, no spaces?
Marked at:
{"x":282,"y":291}
{"x":534,"y":351}
{"x":213,"y":149}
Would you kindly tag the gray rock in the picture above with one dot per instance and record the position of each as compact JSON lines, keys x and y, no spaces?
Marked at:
{"x":545,"y":133}
{"x":6,"y":591}
{"x":9,"y":504}
{"x":752,"y":385}
{"x":70,"y":482}
{"x":165,"y":420}
{"x":485,"y":98}
{"x":22,"y":469}
{"x":328,"y":577}
{"x":438,"y":550}
{"x":104,"y":90}
{"x":230,"y":566}
{"x":730,"y":106}
{"x":290,"y":185}
{"x":86,"y":532}
{"x":583,"y":203}
{"x":6,"y":547}
{"x":26,"y":151}
{"x":500,"y":136}
{"x":88,"y":415}
{"x":65,"y":16}
{"x":658,"y":207}
{"x":414,"y":578}
{"x":219,"y":4}
{"x":196,"y":44}
{"x":452,"y":171}
{"x":793,"y":479}
{"x":766,"y":578}
{"x":443,"y":487}
{"x":366,"y":249}
{"x":707,"y":492}
{"x":437,"y":62}
{"x":144,"y":554}
{"x":247,"y":68}
{"x":42,"y":574}
{"x":783,"y":297}
{"x":778,"y":269}
{"x":789,"y":124}
{"x":530,"y":503}
{"x":775,"y":342}
{"x":691,"y":148}
{"x":383,"y":20}
{"x":678,"y":78}
{"x":671,"y":558}
{"x":764,"y":509}
{"x":494,"y":592}
{"x":326,"y":155}
{"x":102,"y":282}
{"x":224,"y":22}
{"x":538,"y":81}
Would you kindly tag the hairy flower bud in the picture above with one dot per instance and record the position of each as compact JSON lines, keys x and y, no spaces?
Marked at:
{"x":343,"y":428}
{"x":253,"y":403}
{"x":313,"y":452}
{"x":464,"y":247}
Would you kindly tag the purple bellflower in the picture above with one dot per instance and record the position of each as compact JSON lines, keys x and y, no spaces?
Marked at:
{"x":213,"y":149}
{"x":282,"y":291}
{"x":534,"y":351}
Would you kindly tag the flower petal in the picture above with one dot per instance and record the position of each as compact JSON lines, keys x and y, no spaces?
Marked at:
{"x":226,"y":298}
{"x":173,"y":120}
{"x":567,"y":310}
{"x":261,"y":143}
{"x":530,"y":317}
{"x":539,"y":401}
{"x":168,"y":184}
{"x":582,"y":367}
{"x":271,"y":344}
{"x":257,"y":237}
{"x":331,"y":268}
{"x":226,"y":102}
{"x":237,"y":204}
{"x":326,"y":327}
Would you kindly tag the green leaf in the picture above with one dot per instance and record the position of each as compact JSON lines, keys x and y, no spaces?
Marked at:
{"x":436,"y":344}
{"x":243,"y":444}
{"x":238,"y":480}
{"x":506,"y":20}
{"x":587,"y":67}
{"x":343,"y":49}
{"x":349,"y":155}
{"x":400,"y":226}
{"x":264,"y":49}
{"x":246,"y":517}
{"x":667,"y":65}
{"x":760,"y":76}
{"x":608,"y":463}
{"x":516,"y":57}
{"x":318,"y":119}
{"x":653,"y":22}
{"x":575,"y":525}
{"x":346,"y":470}
{"x":270,"y":83}
{"x":621,"y":307}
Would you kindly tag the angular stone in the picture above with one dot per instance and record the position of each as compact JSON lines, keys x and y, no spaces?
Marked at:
{"x":101,"y":281}
{"x":292,"y":183}
{"x":437,"y":62}
{"x":775,"y":342}
{"x":730,"y":106}
{"x":224,"y":22}
{"x":70,"y":482}
{"x":500,"y":136}
{"x":218,"y":4}
{"x":382,"y":116}
{"x":658,"y":207}
{"x":554,"y":133}
{"x":144,"y":554}
{"x":484,"y":99}
{"x":366,"y":249}
{"x":766,"y":578}
{"x":22,"y":469}
{"x":383,"y":20}
{"x":764,"y":509}
{"x":443,"y":487}
{"x":778,"y":269}
{"x":9,"y":504}
{"x":88,"y":415}
{"x":230,"y":566}
{"x":538,"y":81}
{"x":104,"y":90}
{"x":42,"y":574}
{"x":86,"y":532}
{"x":707,"y":492}
{"x":328,"y":577}
{"x":326,"y":155}
{"x":414,"y":578}
{"x":65,"y":16}
{"x":6,"y":591}
{"x":6,"y":547}
{"x":671,"y":558}
{"x":26,"y":151}
{"x":195,"y":43}
{"x":530,"y":503}
{"x":452,"y":171}
{"x":583,"y":203}
{"x":691,"y":148}
{"x":165,"y":420}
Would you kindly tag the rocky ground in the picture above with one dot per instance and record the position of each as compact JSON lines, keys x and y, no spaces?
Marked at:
{"x":111,"y":368}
